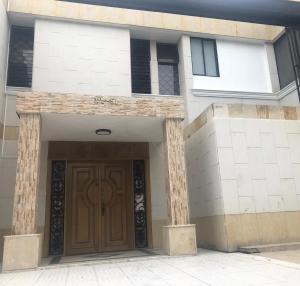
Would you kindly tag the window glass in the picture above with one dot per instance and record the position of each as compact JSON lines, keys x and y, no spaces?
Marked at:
{"x":210,"y":58}
{"x":197,"y":57}
{"x":204,"y":57}
{"x":168,"y":79}
{"x":167,"y":57}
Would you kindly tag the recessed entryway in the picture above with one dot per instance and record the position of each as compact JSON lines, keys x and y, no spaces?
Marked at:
{"x":98,"y":198}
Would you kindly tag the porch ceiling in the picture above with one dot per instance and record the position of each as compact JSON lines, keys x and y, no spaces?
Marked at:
{"x":70,"y":127}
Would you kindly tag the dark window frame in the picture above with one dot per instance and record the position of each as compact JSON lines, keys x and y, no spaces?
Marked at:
{"x":140,"y":60}
{"x":283,"y":81}
{"x":215,"y":54}
{"x":11,"y":73}
{"x":167,"y":55}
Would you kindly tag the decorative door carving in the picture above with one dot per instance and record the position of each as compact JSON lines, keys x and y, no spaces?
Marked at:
{"x":98,"y":207}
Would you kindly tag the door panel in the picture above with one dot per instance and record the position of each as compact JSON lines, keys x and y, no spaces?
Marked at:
{"x":115,"y":207}
{"x":98,"y":207}
{"x":83,"y":200}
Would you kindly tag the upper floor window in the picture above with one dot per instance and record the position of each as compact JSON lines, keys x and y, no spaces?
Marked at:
{"x":204,"y":57}
{"x":20,"y":60}
{"x":284,"y":61}
{"x":167,"y":57}
{"x":140,"y":66}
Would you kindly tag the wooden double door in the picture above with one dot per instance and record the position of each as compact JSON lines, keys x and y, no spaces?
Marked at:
{"x":99,"y":207}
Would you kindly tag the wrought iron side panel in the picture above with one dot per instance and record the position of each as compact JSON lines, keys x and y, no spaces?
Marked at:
{"x":56,"y":245}
{"x":140,"y":211}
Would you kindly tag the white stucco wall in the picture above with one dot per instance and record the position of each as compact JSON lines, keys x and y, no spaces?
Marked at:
{"x":157,"y":180}
{"x":81,"y":58}
{"x":250,"y":165}
{"x":7,"y":187}
{"x":4,"y":32}
{"x":203,"y":173}
{"x":243,"y":66}
{"x":158,"y":192}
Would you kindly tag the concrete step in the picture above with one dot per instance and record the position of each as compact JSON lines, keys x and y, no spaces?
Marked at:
{"x":270,"y":247}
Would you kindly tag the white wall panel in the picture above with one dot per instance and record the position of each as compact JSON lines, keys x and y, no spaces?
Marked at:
{"x":243,"y":67}
{"x":81,"y":58}
{"x":248,"y":179}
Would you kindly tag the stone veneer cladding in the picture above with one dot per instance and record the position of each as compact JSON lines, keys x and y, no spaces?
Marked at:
{"x":178,"y":211}
{"x":27,"y":178}
{"x":34,"y":102}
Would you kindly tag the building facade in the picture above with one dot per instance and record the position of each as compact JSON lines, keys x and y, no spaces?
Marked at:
{"x":124,"y":129}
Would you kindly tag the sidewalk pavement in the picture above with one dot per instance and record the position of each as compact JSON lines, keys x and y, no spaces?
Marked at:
{"x":207,"y":268}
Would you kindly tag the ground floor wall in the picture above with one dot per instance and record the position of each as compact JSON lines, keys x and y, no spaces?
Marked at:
{"x":229,"y":232}
{"x":243,"y":173}
{"x":7,"y":188}
{"x":158,"y":192}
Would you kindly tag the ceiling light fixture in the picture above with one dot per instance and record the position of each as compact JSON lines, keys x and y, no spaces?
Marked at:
{"x":103,"y":132}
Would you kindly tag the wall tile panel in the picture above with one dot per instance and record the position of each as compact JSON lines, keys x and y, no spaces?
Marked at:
{"x":266,"y":180}
{"x":76,"y":58}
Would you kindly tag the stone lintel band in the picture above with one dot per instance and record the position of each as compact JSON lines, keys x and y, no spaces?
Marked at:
{"x":144,"y":106}
{"x":146,"y":19}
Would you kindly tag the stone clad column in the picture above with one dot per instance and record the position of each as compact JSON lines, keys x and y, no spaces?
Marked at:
{"x":154,"y":68}
{"x":22,"y":248}
{"x":179,"y":235}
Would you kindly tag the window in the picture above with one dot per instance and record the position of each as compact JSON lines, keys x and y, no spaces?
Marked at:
{"x":167,"y":57}
{"x":20,"y":60}
{"x":284,"y":61}
{"x":204,"y":57}
{"x":140,"y":66}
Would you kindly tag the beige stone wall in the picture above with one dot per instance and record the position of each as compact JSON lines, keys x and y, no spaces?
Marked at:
{"x":243,"y":165}
{"x":229,"y":232}
{"x":135,"y":18}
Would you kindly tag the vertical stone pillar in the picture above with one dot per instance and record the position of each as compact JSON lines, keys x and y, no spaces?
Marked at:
{"x":179,"y":235}
{"x":186,"y":76}
{"x":154,"y":68}
{"x":23,"y":248}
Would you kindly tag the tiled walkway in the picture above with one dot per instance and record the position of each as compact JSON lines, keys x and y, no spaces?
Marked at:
{"x":207,"y":268}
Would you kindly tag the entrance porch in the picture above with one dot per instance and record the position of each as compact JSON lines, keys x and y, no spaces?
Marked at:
{"x":109,"y":193}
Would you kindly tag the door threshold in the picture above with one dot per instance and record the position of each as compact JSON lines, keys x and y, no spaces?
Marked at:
{"x":104,"y":257}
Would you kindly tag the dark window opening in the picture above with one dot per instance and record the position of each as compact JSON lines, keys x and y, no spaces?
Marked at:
{"x":140,"y":66}
{"x":204,"y":57}
{"x":168,"y":59}
{"x":284,"y":61}
{"x":20,"y":60}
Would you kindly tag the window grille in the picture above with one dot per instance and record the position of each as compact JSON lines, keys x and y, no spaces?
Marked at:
{"x":20,"y":57}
